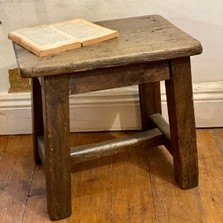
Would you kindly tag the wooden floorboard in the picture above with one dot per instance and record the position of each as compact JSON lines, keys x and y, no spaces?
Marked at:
{"x":16,"y":174}
{"x":133,"y":187}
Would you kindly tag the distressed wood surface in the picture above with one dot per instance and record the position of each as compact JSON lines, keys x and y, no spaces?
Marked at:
{"x":135,"y":187}
{"x":55,"y":93}
{"x":154,"y":51}
{"x":150,"y":102}
{"x":182,"y":123}
{"x":141,"y":39}
{"x":93,"y":151}
{"x":88,"y":152}
{"x":120,"y":76}
{"x":163,"y":126}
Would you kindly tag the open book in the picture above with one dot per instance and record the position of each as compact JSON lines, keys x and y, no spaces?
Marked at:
{"x":57,"y":37}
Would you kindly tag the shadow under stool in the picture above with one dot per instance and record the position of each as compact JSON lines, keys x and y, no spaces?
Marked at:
{"x":148,"y":50}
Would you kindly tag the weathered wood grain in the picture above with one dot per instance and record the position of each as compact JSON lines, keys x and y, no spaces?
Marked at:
{"x":93,"y":151}
{"x":156,"y":50}
{"x":83,"y":153}
{"x":170,"y":203}
{"x":163,"y":126}
{"x":16,"y":174}
{"x":141,"y":39}
{"x":182,"y":123}
{"x":91,"y":188}
{"x":210,"y":194}
{"x":131,"y":197}
{"x":55,"y":92}
{"x":121,"y":76}
{"x":150,"y":102}
{"x":131,"y":187}
{"x":91,"y":183}
{"x":36,"y":205}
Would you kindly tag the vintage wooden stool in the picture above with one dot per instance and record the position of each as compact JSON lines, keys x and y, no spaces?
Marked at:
{"x":148,"y":50}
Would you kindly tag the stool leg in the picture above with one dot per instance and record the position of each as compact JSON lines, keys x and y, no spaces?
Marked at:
{"x":37,"y":116}
{"x":55,"y":95}
{"x":150,"y":102}
{"x":182,"y":123}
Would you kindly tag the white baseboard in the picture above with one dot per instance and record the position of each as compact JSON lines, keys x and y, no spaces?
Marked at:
{"x":116,"y":109}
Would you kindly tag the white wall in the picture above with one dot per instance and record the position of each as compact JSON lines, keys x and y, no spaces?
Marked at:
{"x":202,"y":19}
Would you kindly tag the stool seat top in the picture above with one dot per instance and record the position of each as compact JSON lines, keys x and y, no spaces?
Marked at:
{"x":141,"y":39}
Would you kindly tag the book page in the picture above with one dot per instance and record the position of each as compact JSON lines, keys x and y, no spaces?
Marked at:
{"x":58,"y":37}
{"x":44,"y":36}
{"x":82,"y":30}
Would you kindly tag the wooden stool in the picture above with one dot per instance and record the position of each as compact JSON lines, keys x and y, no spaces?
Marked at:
{"x":148,"y":50}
